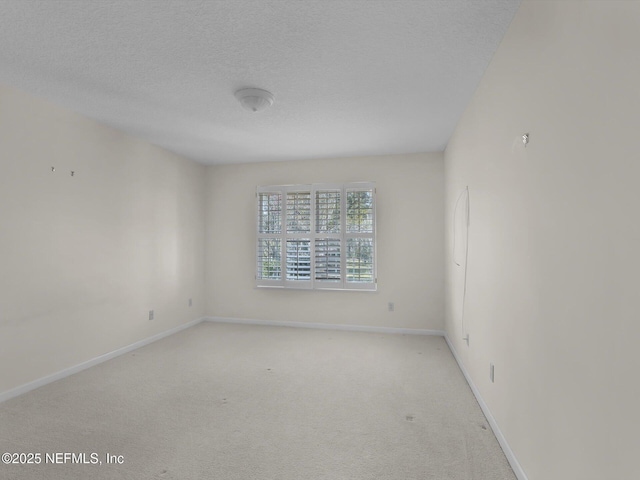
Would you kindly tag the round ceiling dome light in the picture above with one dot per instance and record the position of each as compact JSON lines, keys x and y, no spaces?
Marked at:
{"x":254,"y":99}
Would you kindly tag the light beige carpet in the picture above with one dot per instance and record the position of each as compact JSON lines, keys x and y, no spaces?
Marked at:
{"x":237,"y":402}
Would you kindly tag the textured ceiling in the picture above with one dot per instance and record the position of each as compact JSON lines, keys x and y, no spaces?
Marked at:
{"x":350,"y":77}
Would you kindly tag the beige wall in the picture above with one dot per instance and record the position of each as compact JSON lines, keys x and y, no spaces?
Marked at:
{"x":553,"y":251}
{"x":410,"y":233}
{"x":84,"y":258}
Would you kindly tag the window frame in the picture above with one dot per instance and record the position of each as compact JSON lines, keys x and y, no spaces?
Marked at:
{"x":313,"y":235}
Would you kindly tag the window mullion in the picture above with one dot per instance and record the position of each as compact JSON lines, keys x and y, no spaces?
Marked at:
{"x":313,"y":212}
{"x":343,"y":236}
{"x":291,"y":236}
{"x":285,"y":235}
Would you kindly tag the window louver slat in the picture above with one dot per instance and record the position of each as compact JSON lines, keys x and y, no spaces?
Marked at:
{"x":360,"y":260}
{"x":270,"y":213}
{"x":327,"y":259}
{"x":298,"y":259}
{"x":269,"y":259}
{"x":298,"y":212}
{"x":360,"y":211}
{"x":328,"y":211}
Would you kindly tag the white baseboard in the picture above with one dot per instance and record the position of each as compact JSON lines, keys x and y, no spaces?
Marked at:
{"x":515,"y":465}
{"x":513,"y":461}
{"x":326,"y":326}
{"x":14,"y":392}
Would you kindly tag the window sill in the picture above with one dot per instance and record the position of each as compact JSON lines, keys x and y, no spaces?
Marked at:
{"x":323,"y":289}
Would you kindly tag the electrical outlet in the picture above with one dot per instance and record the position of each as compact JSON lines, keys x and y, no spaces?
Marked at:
{"x":150,"y":314}
{"x":190,"y":302}
{"x":491,"y":372}
{"x":392,"y":306}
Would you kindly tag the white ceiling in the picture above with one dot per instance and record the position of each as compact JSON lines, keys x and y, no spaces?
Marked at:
{"x":350,"y":77}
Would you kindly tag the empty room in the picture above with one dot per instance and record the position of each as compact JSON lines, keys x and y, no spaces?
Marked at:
{"x":319,"y":239}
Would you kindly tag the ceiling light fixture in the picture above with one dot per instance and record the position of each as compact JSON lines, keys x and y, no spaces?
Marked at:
{"x":254,"y":99}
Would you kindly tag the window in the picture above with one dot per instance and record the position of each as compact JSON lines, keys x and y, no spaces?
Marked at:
{"x":316,"y":236}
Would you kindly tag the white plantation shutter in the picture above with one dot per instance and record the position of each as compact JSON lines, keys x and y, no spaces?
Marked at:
{"x":327,"y":211}
{"x":269,"y":254}
{"x":328,"y":260}
{"x":316,"y":236}
{"x":360,"y":236}
{"x":299,"y":259}
{"x":328,"y":242}
{"x":299,"y":212}
{"x":269,"y":259}
{"x":297,"y":239}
